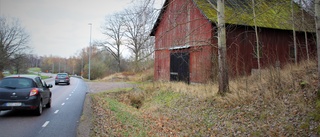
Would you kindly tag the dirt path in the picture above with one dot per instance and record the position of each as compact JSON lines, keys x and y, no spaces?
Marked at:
{"x":84,"y":126}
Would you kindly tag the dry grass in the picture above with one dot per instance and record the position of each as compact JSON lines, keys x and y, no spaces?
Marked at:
{"x":201,"y":91}
{"x":280,"y":103}
{"x":273,"y":83}
{"x":146,"y":75}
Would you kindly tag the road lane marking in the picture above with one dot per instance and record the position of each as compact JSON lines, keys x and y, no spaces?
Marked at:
{"x":62,"y":104}
{"x":45,"y":124}
{"x":67,"y":98}
{"x":70,"y":95}
{"x":56,"y":111}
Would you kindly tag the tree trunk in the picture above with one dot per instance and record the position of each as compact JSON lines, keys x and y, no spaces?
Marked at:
{"x":305,"y":32}
{"x":294,"y":35}
{"x":1,"y":71}
{"x":257,"y":39}
{"x":317,"y":21}
{"x":119,"y":59}
{"x":223,"y":72}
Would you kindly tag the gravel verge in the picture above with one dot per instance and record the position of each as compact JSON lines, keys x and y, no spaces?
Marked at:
{"x":84,"y":126}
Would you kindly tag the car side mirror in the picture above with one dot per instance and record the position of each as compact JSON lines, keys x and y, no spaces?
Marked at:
{"x":49,"y":86}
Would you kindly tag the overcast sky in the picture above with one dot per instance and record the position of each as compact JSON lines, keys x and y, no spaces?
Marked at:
{"x":60,"y":27}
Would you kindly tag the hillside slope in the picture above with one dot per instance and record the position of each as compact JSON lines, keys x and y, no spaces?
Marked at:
{"x":281,"y":103}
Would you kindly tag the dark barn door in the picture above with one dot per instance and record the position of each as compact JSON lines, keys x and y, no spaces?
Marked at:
{"x":179,"y":67}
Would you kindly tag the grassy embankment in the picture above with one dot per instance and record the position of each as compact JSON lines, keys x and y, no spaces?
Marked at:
{"x":36,"y":71}
{"x":281,"y":103}
{"x":32,"y":71}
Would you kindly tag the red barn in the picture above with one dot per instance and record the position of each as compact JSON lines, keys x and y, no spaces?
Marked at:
{"x":186,"y":37}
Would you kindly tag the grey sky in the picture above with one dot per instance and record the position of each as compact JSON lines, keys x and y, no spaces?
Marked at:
{"x":60,"y":27}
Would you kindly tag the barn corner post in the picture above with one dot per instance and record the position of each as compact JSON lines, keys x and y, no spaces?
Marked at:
{"x":317,"y":22}
{"x":223,"y":72}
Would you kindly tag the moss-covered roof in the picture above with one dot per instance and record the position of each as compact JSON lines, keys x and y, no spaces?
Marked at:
{"x":276,"y":14}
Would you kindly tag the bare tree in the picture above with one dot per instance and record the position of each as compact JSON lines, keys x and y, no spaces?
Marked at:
{"x":138,"y":24}
{"x":222,"y":51}
{"x":294,"y":34}
{"x":317,"y":21}
{"x":13,"y":40}
{"x":304,"y":28}
{"x":113,"y":30}
{"x":222,"y":47}
{"x":33,"y":60}
{"x":258,"y":46}
{"x":19,"y":63}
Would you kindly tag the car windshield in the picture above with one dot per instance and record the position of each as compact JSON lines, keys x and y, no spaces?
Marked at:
{"x":16,"y":83}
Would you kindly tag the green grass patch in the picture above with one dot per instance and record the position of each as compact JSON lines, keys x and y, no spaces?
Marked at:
{"x":35,"y":69}
{"x":6,"y":74}
{"x":42,"y":77}
{"x":122,"y":115}
{"x":116,"y":90}
{"x":316,"y":113}
{"x":45,"y":77}
{"x":167,"y":98}
{"x":130,"y":120}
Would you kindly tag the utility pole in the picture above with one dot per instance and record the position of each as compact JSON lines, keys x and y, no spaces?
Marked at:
{"x":90,"y":52}
{"x":59,"y":65}
{"x":81,"y":69}
{"x":52,"y":67}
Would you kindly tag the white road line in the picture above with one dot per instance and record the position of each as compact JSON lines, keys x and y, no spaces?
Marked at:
{"x":45,"y":124}
{"x":67,"y":98}
{"x":62,"y":104}
{"x":69,"y":94}
{"x":56,"y":111}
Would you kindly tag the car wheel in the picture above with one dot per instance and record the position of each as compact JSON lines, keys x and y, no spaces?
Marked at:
{"x":38,"y":111}
{"x":48,"y":105}
{"x":68,"y":83}
{"x":56,"y":83}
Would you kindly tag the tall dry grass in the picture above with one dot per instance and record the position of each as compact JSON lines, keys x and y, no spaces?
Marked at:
{"x":274,"y":85}
{"x":282,"y":102}
{"x":294,"y":82}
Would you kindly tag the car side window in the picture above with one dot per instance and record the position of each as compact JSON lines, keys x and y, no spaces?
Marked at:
{"x":39,"y":83}
{"x":44,"y":84}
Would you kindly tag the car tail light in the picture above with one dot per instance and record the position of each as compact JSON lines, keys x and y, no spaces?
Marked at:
{"x":34,"y":92}
{"x":56,"y":77}
{"x":67,"y":77}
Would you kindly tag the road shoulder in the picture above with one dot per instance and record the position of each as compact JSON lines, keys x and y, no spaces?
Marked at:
{"x":85,"y":122}
{"x":86,"y":118}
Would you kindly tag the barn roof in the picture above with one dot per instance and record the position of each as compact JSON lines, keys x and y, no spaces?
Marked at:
{"x":275,"y":14}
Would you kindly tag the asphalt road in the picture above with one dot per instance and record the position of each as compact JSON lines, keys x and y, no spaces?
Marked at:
{"x":61,"y":120}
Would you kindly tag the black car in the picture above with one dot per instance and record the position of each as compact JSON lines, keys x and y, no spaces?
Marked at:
{"x":62,"y":78}
{"x":24,"y":92}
